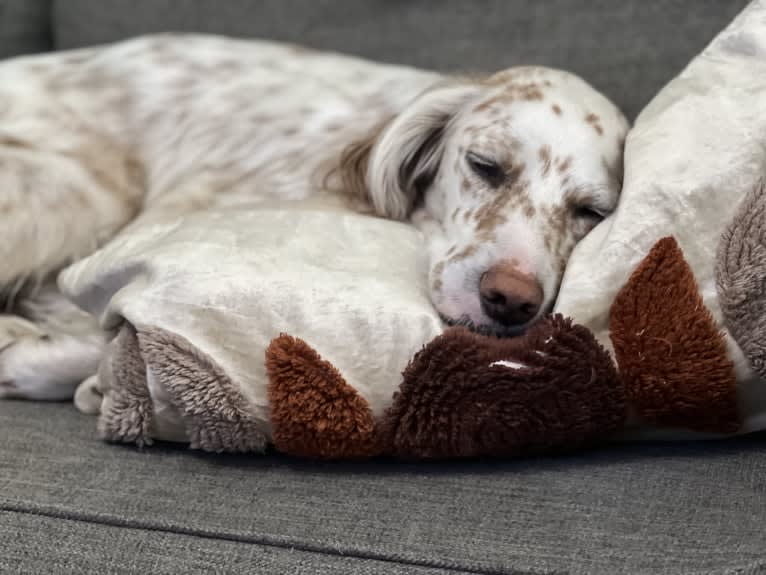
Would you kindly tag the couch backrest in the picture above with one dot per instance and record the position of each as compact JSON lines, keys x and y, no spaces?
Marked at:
{"x":24,"y":27}
{"x":627,"y":48}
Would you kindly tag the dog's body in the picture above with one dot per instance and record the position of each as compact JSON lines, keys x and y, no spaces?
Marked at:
{"x":95,"y":140}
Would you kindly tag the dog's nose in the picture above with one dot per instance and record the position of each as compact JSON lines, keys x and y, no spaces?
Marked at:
{"x":509,"y":296}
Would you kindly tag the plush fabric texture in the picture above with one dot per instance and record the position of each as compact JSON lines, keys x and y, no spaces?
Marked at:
{"x":672,"y":359}
{"x":206,"y":316}
{"x":692,"y":156}
{"x":126,"y":410}
{"x":741,"y":277}
{"x":314,"y":412}
{"x":468,"y":395}
{"x":216,"y":415}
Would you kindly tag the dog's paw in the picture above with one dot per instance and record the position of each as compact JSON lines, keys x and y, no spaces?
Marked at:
{"x":35,"y":364}
{"x":88,"y":396}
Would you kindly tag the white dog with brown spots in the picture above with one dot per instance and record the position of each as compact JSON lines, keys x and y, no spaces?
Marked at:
{"x":504,"y":174}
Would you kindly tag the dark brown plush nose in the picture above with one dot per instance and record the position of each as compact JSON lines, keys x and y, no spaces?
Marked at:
{"x":508,"y":296}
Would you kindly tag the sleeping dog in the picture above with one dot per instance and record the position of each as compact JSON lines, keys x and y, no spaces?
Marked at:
{"x":502,"y":173}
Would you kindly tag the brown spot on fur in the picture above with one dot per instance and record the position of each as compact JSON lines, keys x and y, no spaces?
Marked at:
{"x":529,"y":92}
{"x":557,"y":236}
{"x":595,"y":121}
{"x":521,"y":92}
{"x":514,"y":174}
{"x":467,"y":215}
{"x":465,"y":185}
{"x":556,"y":109}
{"x":451,"y":251}
{"x":11,"y":142}
{"x":545,"y":160}
{"x":466,"y":252}
{"x":314,"y":412}
{"x":563,"y":164}
{"x":490,"y":215}
{"x":455,"y":214}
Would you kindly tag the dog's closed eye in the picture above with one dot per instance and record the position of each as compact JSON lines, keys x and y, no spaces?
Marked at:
{"x":588,"y":212}
{"x":487,"y":169}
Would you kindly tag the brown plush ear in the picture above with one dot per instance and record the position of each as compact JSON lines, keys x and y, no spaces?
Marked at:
{"x":467,"y":395}
{"x":314,"y":412}
{"x":672,"y":358}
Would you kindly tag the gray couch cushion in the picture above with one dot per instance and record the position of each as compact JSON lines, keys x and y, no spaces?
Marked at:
{"x":627,"y":48}
{"x":42,"y":545}
{"x":652,"y":509}
{"x":24,"y":27}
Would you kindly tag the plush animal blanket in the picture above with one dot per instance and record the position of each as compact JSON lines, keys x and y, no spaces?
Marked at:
{"x":312,"y":331}
{"x":694,"y":170}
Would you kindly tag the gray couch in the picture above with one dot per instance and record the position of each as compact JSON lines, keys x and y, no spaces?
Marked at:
{"x":70,"y":504}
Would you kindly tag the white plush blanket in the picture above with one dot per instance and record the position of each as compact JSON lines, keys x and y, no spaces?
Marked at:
{"x":228,"y":282}
{"x":692,"y":156}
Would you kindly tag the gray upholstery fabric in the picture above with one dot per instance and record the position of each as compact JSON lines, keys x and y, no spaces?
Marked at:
{"x":43,"y":545}
{"x":629,"y":49}
{"x":656,"y":509}
{"x":24,"y":27}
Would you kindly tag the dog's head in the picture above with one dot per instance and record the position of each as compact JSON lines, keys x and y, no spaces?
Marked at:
{"x":504,"y":176}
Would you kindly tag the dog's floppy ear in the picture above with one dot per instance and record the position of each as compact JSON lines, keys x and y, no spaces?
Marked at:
{"x":402,"y":160}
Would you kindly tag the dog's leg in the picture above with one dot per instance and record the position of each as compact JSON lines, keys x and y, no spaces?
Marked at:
{"x":57,"y":208}
{"x":49,"y":349}
{"x":54,"y":209}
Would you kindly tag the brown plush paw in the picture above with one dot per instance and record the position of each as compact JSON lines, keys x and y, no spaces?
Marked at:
{"x":468,"y":395}
{"x":314,"y":412}
{"x":672,"y":358}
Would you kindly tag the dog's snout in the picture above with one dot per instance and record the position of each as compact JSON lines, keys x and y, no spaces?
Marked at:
{"x":509,"y":296}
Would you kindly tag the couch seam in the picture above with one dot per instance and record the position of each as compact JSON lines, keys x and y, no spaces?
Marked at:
{"x":265,"y":541}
